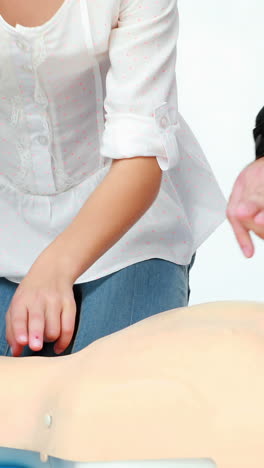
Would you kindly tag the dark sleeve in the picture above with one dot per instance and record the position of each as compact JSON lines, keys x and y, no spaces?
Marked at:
{"x":258,"y":134}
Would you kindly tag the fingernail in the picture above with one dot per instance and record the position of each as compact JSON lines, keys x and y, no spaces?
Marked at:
{"x":247,"y":251}
{"x":23,"y":338}
{"x":58,"y":350}
{"x":36,"y":342}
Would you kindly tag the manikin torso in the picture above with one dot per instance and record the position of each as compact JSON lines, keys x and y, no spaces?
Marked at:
{"x":185,"y":383}
{"x":30,"y":13}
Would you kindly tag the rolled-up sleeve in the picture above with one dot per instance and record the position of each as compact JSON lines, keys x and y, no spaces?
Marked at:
{"x":141,"y":91}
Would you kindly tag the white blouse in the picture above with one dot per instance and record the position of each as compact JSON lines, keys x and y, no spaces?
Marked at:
{"x":94,"y":83}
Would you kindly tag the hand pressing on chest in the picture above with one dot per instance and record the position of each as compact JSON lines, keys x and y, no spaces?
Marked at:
{"x":43,"y":309}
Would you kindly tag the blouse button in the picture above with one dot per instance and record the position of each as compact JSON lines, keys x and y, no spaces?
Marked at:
{"x":22,"y":46}
{"x":27,"y":67}
{"x":164,"y":122}
{"x":43,"y":140}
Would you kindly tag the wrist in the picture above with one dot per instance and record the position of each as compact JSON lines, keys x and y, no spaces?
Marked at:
{"x":258,"y":161}
{"x":53,"y":264}
{"x":259,"y":156}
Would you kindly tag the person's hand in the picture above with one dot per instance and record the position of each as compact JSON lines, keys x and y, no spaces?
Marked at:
{"x":245,"y":209}
{"x":43,"y":308}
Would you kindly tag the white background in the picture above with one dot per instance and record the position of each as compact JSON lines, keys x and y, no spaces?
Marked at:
{"x":220,"y":75}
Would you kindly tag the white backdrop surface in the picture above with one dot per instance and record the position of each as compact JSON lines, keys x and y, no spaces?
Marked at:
{"x":220,"y":75}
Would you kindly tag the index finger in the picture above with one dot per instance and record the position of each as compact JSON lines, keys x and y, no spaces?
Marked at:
{"x":234,"y":216}
{"x":243,"y":237}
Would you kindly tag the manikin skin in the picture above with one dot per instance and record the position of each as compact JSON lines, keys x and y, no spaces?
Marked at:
{"x":185,"y":383}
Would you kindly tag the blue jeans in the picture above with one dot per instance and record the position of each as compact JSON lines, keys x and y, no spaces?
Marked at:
{"x":113,"y":302}
{"x":13,"y":458}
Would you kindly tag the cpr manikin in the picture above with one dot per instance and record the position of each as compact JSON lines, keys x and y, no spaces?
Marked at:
{"x":185,"y":383}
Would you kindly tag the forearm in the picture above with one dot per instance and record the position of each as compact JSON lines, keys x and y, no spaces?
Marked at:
{"x":117,"y":203}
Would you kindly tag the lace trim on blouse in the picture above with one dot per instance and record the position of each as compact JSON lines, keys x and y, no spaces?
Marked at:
{"x":63,"y":181}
